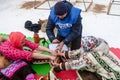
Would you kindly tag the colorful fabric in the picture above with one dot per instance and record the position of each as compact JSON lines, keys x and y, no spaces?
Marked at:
{"x":106,"y":65}
{"x":89,"y":42}
{"x":14,"y":53}
{"x":99,"y":59}
{"x":12,"y":68}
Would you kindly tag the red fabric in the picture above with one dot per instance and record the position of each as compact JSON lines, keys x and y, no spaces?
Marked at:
{"x":67,"y":75}
{"x":38,"y":77}
{"x":116,"y":51}
{"x":16,"y":38}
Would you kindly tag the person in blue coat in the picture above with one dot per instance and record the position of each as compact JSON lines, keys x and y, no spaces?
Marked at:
{"x":68,"y":22}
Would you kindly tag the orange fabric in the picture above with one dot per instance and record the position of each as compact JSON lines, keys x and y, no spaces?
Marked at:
{"x":16,"y":39}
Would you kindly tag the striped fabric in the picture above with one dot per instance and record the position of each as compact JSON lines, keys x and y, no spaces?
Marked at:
{"x":107,"y":65}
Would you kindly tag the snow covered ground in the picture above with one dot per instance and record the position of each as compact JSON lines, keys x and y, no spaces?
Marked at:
{"x":13,"y":17}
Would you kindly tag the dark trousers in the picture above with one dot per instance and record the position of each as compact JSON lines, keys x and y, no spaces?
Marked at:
{"x":74,"y":44}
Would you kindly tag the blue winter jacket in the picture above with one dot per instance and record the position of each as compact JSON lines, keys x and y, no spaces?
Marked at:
{"x":70,"y":27}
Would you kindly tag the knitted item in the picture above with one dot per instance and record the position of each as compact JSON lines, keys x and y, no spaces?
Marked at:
{"x":88,"y":42}
{"x":75,"y":64}
{"x":60,"y":8}
{"x":75,"y":54}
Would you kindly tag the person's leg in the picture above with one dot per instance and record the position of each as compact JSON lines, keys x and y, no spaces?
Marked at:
{"x":76,"y":43}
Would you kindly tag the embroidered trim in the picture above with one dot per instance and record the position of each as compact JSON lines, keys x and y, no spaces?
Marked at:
{"x":105,"y":65}
{"x":11,"y":69}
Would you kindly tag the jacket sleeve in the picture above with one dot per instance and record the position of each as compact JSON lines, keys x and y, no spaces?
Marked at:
{"x":50,"y":29}
{"x":15,"y":54}
{"x":78,"y":64}
{"x":31,"y":45}
{"x":75,"y":32}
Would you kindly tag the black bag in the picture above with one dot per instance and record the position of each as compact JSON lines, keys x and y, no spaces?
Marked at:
{"x":32,"y":27}
{"x":28,"y":25}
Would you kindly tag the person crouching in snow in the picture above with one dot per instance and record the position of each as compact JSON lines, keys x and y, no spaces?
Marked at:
{"x":94,"y":56}
{"x":12,"y":48}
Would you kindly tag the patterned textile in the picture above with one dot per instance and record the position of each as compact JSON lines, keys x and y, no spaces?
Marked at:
{"x":11,"y":69}
{"x":75,"y":54}
{"x":106,"y":65}
{"x":89,"y":42}
{"x":97,"y":59}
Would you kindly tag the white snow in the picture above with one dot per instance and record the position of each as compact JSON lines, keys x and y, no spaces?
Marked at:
{"x":12,"y":18}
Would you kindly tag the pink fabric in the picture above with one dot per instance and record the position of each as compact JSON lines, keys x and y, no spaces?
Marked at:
{"x":30,"y":77}
{"x":14,"y":53}
{"x":31,"y":45}
{"x":11,"y":69}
